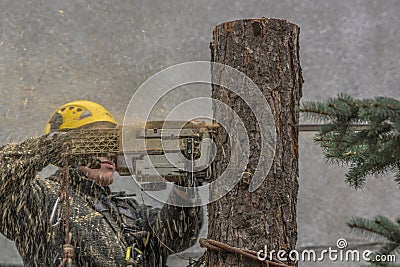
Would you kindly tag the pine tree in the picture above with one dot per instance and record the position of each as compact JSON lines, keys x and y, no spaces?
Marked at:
{"x":373,"y":149}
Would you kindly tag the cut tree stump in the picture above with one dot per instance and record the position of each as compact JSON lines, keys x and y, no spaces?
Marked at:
{"x":267,"y":51}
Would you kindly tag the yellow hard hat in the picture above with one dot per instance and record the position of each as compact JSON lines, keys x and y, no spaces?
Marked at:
{"x":76,"y":114}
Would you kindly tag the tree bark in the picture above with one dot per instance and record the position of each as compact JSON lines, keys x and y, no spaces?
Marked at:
{"x":267,"y":51}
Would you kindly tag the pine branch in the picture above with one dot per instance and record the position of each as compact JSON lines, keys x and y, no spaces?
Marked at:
{"x":388,"y":249}
{"x":393,"y":228}
{"x":369,"y":228}
{"x":374,"y":150}
{"x":380,"y":228}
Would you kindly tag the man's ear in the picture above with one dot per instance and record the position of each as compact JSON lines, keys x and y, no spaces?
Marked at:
{"x":55,"y":122}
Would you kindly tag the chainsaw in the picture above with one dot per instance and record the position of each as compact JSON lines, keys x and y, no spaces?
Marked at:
{"x":152,"y":153}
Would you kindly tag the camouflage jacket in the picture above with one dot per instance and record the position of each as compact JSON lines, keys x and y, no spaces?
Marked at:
{"x":102,"y":224}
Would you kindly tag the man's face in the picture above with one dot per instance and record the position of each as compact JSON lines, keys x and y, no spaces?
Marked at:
{"x":104,"y":176}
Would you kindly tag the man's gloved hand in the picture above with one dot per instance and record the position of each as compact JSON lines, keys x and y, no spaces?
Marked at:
{"x":185,"y":193}
{"x":57,"y":145}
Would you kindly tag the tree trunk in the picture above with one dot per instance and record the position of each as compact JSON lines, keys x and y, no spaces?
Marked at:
{"x":267,"y":51}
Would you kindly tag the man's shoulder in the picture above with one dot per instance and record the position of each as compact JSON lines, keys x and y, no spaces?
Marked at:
{"x":45,"y":185}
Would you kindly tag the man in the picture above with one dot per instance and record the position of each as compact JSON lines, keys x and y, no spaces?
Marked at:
{"x":106,"y":229}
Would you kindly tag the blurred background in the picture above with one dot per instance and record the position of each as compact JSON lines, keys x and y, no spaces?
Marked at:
{"x":52,"y":52}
